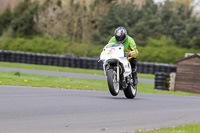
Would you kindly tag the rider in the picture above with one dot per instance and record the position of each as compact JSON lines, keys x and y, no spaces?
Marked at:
{"x":129,"y":48}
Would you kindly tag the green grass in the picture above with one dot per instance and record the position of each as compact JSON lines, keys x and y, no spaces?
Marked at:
{"x":50,"y":68}
{"x":37,"y":80}
{"x":145,"y":89}
{"x":63,"y":69}
{"x":192,"y":128}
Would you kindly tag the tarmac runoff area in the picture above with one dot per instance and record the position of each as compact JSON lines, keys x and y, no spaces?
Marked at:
{"x":51,"y":110}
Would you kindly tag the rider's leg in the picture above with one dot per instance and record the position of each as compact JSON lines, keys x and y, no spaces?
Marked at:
{"x":133,"y":62}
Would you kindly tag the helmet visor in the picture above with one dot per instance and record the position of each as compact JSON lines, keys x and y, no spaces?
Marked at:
{"x":121,"y":39}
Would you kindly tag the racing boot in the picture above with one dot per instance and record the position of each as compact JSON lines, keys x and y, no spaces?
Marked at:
{"x":133,"y":62}
{"x":135,"y":78}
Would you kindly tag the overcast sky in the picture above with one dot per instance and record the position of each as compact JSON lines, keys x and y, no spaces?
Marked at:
{"x":196,"y":9}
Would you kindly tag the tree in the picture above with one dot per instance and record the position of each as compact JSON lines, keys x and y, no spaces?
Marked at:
{"x":23,"y":22}
{"x":118,"y":15}
{"x":187,"y":7}
{"x":5,"y":19}
{"x":149,"y":25}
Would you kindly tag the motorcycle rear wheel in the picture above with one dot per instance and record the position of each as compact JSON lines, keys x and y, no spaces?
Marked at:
{"x":112,"y":82}
{"x":131,"y":91}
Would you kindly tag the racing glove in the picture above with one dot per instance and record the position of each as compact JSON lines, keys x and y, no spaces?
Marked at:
{"x":134,"y":53}
{"x":127,"y":54}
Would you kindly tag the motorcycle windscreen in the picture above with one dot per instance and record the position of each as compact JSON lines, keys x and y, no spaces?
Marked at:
{"x":112,"y":50}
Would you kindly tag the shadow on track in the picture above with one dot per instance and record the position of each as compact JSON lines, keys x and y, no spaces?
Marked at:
{"x":122,"y":98}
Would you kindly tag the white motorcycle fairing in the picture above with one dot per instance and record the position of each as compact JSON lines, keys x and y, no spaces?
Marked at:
{"x":115,"y":51}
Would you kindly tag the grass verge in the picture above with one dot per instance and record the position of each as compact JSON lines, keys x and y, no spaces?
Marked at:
{"x":63,"y":69}
{"x":37,"y":80}
{"x":192,"y":128}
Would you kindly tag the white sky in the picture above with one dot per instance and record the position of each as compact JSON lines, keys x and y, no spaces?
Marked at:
{"x":196,"y":9}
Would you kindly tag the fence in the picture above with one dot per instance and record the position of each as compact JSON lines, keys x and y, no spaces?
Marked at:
{"x":76,"y":62}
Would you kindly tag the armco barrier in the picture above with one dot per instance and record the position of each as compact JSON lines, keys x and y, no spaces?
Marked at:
{"x":76,"y":62}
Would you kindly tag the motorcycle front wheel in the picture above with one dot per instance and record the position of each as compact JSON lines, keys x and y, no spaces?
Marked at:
{"x":113,"y":85}
{"x":131,"y":91}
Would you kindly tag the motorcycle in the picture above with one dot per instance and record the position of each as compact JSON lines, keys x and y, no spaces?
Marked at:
{"x":118,"y":70}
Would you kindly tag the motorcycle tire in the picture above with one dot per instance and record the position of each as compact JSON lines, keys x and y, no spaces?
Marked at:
{"x":113,"y":87}
{"x":130,"y":92}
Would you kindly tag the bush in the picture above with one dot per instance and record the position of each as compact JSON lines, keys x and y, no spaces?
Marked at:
{"x":163,"y":54}
{"x":48,"y":45}
{"x":155,"y":51}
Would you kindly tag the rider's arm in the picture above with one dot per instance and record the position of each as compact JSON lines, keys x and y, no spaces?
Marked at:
{"x":134,"y":51}
{"x":112,"y":40}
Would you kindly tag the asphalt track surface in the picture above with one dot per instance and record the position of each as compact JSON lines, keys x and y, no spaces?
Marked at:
{"x":49,"y":110}
{"x":67,"y":74}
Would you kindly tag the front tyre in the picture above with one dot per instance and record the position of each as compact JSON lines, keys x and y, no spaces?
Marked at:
{"x":113,"y":85}
{"x":131,"y":91}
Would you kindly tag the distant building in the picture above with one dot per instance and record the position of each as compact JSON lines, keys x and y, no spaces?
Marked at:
{"x":190,"y":54}
{"x":188,"y":74}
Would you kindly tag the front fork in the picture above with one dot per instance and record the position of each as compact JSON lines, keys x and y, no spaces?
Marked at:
{"x":124,"y":81}
{"x":117,"y":79}
{"x":118,"y":73}
{"x":117,"y":70}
